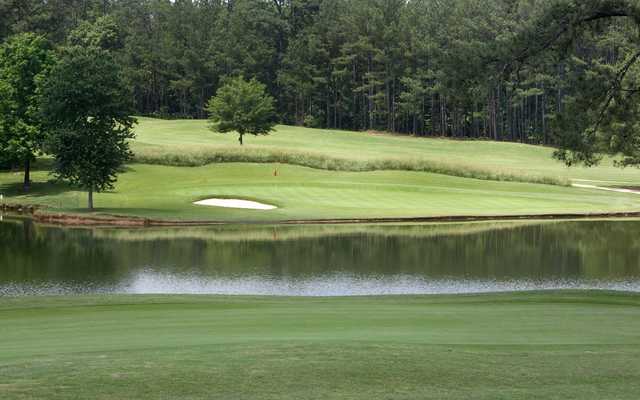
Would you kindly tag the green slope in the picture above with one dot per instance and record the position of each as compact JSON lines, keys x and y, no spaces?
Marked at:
{"x":190,"y":140}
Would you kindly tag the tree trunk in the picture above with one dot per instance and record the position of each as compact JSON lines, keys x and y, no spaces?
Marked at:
{"x":90,"y":203}
{"x":240,"y":139}
{"x":544,"y":117}
{"x":27,"y":175}
{"x":492,"y":116}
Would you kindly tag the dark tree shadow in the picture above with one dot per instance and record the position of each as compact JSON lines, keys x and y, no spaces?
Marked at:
{"x":38,"y":189}
{"x":42,"y":164}
{"x":39,"y":165}
{"x":124,"y":169}
{"x":137,"y":212}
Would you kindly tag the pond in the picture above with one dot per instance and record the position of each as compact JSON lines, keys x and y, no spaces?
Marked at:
{"x":320,"y":260}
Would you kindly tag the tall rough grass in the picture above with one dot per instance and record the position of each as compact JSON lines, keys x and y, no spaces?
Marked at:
{"x":190,"y":156}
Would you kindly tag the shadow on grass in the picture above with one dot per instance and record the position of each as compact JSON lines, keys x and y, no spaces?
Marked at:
{"x":38,"y":189}
{"x":39,"y":165}
{"x":42,"y":164}
{"x":135,"y":210}
{"x":128,"y":212}
{"x":125,"y":169}
{"x":124,"y":211}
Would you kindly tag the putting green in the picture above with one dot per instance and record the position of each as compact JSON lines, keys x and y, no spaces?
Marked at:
{"x":569,"y":345}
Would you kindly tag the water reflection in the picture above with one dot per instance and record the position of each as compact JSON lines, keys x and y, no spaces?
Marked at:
{"x":321,"y":260}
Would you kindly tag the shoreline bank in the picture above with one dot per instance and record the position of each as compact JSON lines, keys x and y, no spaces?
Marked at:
{"x":37,"y":214}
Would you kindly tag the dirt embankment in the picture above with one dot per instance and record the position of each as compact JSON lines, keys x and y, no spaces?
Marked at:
{"x":42,"y":216}
{"x":18,"y":208}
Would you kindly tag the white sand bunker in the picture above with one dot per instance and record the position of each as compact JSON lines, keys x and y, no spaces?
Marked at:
{"x":235,"y":203}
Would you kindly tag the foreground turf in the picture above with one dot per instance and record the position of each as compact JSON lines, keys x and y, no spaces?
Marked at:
{"x":189,"y":141}
{"x":568,"y":345}
{"x":306,"y":193}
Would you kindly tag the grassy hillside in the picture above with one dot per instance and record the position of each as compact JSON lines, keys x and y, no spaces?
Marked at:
{"x":305,"y":193}
{"x":510,"y":346}
{"x":166,"y":191}
{"x":189,"y":142}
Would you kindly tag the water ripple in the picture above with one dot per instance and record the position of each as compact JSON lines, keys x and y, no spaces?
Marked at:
{"x":151,"y":282}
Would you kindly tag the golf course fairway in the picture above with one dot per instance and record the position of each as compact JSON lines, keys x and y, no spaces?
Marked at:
{"x":330,"y":175}
{"x":302,"y":193}
{"x":545,"y":345}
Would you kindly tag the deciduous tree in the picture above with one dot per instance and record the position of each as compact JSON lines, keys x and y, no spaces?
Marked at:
{"x":87,"y":107}
{"x":24,"y":59}
{"x":242,"y":106}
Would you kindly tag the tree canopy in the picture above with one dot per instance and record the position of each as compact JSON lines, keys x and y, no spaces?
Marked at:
{"x":242,"y":106}
{"x":24,"y":59}
{"x":87,"y":107}
{"x":600,"y":113}
{"x":555,"y":72}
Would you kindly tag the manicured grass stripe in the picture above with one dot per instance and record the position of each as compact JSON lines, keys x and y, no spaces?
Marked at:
{"x":569,"y":345}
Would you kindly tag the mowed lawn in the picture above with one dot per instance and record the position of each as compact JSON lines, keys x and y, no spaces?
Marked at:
{"x":185,"y":136}
{"x":305,"y":193}
{"x":567,"y":345}
{"x":168,"y":192}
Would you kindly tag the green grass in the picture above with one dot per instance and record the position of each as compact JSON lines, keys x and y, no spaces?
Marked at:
{"x":189,"y":142}
{"x":570,"y":345}
{"x":332,"y":191}
{"x":304,"y":193}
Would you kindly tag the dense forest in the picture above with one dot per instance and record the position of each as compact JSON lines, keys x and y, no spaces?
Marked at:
{"x":426,"y":67}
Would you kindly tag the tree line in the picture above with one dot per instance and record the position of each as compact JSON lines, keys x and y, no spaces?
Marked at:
{"x":417,"y":66}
